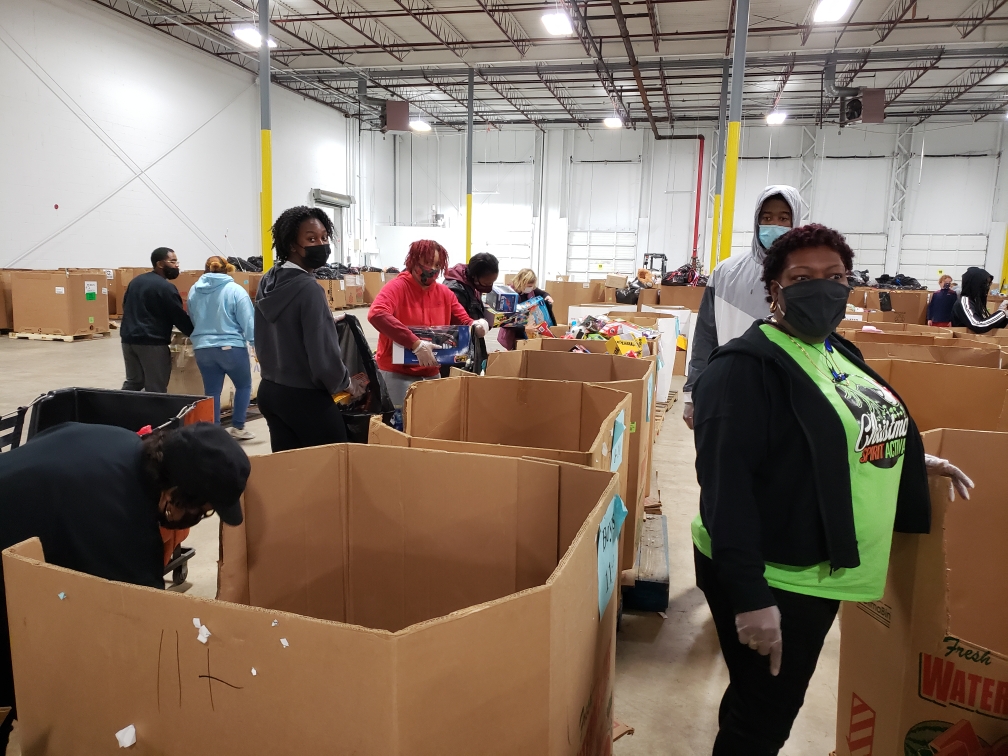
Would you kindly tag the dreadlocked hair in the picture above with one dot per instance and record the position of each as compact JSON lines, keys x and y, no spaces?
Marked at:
{"x":427,"y":253}
{"x":285,"y":229}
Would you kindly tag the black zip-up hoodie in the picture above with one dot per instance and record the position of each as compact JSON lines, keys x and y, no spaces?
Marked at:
{"x":151,"y":306}
{"x":295,"y":335}
{"x":773,"y":466}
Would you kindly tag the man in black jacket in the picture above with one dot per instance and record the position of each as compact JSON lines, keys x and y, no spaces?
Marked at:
{"x":151,"y":306}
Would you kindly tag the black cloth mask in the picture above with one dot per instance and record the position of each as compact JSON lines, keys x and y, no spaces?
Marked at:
{"x":171,"y":273}
{"x":317,"y":255}
{"x":814,"y":308}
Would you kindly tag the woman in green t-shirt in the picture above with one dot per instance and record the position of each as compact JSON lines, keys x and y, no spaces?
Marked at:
{"x":807,"y":462}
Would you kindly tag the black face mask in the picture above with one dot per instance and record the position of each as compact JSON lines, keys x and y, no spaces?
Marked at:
{"x":171,"y":273}
{"x":316,"y":256}
{"x":814,"y":308}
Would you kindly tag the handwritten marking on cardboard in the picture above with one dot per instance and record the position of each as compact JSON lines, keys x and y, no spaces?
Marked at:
{"x":617,"y":442}
{"x":203,"y":634}
{"x":126,"y":736}
{"x":284,"y":643}
{"x":607,"y":545}
{"x":61,"y":595}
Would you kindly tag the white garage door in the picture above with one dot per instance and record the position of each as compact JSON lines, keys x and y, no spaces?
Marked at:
{"x":593,"y":254}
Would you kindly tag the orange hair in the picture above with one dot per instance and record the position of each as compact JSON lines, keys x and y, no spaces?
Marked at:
{"x":218,"y":264}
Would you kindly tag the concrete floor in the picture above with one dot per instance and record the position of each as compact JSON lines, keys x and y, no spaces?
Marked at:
{"x":669,"y":671}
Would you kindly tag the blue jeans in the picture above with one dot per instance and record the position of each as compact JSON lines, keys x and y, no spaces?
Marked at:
{"x":216,"y":362}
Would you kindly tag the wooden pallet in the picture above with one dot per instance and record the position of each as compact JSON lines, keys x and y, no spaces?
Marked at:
{"x":57,"y":336}
{"x":649,"y":591}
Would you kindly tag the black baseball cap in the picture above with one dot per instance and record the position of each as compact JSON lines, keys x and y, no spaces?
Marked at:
{"x":207,"y":464}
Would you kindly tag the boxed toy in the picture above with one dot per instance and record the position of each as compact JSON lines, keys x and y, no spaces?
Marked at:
{"x":502,"y":298}
{"x":450,"y":344}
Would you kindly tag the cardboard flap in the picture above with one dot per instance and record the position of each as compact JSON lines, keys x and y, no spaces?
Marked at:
{"x":30,"y":549}
{"x":599,"y":407}
{"x":232,"y":564}
{"x":507,"y":364}
{"x":384,"y":435}
{"x":521,"y":412}
{"x":1003,"y":422}
{"x":437,"y":407}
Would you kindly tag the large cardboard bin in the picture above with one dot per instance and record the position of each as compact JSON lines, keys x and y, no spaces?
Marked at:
{"x":986,"y":355}
{"x":940,"y":395}
{"x":60,"y":302}
{"x":682,"y":296}
{"x":373,"y":283}
{"x":382,"y":617}
{"x":516,"y":417}
{"x":634,"y":376}
{"x":912,"y":304}
{"x":924,"y":670}
{"x":185,"y":281}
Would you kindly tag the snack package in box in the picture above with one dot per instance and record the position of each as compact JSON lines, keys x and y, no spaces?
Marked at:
{"x":450,"y":343}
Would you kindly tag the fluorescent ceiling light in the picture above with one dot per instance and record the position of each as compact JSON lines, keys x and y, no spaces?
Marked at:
{"x":613,"y":122}
{"x":830,"y":10}
{"x":557,"y":24}
{"x":418,"y":124}
{"x":775,"y":118}
{"x":251,"y":37}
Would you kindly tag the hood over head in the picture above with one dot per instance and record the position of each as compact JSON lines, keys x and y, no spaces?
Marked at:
{"x":211,"y":281}
{"x":790,"y":195}
{"x":279,"y":287}
{"x":458,"y":272}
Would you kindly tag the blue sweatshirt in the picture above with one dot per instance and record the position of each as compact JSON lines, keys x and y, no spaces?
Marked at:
{"x":222,"y":312}
{"x":940,"y":307}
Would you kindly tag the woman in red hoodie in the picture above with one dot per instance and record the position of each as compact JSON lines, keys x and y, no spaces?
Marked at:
{"x":415,"y":298}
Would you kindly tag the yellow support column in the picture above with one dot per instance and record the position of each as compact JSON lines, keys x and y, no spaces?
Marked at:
{"x":715,"y":227}
{"x":1004,"y":268}
{"x":728,"y":201}
{"x":266,"y":198}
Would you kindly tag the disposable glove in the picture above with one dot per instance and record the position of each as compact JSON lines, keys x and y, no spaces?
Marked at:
{"x":959,"y":484}
{"x":761,"y":631}
{"x":424,"y":351}
{"x":687,"y":414}
{"x":481,"y":327}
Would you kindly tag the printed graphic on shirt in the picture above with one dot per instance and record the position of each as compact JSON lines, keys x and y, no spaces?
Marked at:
{"x":881,"y":419}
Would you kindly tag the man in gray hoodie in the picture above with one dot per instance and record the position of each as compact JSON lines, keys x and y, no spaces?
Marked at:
{"x":735,"y":295}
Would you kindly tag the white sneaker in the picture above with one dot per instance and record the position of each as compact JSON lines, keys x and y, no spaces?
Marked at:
{"x":241,"y":434}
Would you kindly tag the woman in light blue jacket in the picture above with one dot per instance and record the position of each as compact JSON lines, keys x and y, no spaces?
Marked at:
{"x":223,"y":318}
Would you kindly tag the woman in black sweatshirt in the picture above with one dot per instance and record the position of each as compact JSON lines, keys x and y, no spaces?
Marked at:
{"x":296,"y":339}
{"x":970,"y":310}
{"x":807,"y":462}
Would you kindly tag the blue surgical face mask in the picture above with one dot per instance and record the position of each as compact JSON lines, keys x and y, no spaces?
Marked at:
{"x":769,"y":234}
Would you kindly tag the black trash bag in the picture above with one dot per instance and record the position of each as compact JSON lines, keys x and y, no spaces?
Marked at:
{"x":392,"y":270}
{"x":858,"y":278}
{"x":476,"y":361}
{"x":683,"y":276}
{"x":365,"y":380}
{"x":629,"y":295}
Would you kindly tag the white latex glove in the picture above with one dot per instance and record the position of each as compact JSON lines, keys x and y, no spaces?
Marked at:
{"x":1003,"y":305}
{"x":425,"y":354}
{"x":338,"y":315}
{"x":942,"y":467}
{"x":481,"y":327}
{"x":687,"y":414}
{"x":549,"y":300}
{"x":760,"y":630}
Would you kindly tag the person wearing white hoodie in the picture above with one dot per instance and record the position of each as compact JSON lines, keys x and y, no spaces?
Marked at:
{"x":224,"y":320}
{"x":735,"y":295}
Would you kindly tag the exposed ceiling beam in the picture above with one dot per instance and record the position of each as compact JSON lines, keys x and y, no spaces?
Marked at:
{"x":507,"y":23}
{"x":350,"y":13}
{"x":731,"y":28}
{"x":665,"y":93}
{"x":892,"y":17}
{"x":632,"y":58}
{"x":976,"y":14}
{"x":562,"y":96}
{"x":844,"y":79}
{"x":652,"y":13}
{"x":592,"y":48}
{"x":910,"y":76}
{"x":427,"y":16}
{"x":960,"y":86}
{"x":806,"y":24}
{"x":782,"y":81}
{"x":515,"y":98}
{"x":459,"y":94}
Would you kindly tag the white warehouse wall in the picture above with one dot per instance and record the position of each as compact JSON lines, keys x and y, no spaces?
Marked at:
{"x":142,"y":142}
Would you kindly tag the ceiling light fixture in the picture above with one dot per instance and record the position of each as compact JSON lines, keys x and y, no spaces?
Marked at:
{"x":251,"y":37}
{"x":830,"y":10}
{"x":776,"y":118}
{"x":557,"y":23}
{"x":613,"y":122}
{"x":419,"y":124}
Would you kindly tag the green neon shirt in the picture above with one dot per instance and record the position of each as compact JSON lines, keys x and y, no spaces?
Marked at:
{"x":876,"y":426}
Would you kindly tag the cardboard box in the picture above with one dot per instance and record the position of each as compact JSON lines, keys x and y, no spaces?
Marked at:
{"x":978,"y":357}
{"x":502,"y":298}
{"x":913,"y":304}
{"x":335,"y":293}
{"x":373,"y":283}
{"x":683,"y":296}
{"x":858,"y":296}
{"x":940,"y":396}
{"x":877,"y":316}
{"x":615,"y":282}
{"x":185,"y":281}
{"x":186,"y":377}
{"x":928,"y":660}
{"x":892,"y":337}
{"x":352,"y":290}
{"x":59,"y":302}
{"x":679,"y":367}
{"x":565,"y":294}
{"x":417,"y":620}
{"x":633,"y":376}
{"x":515,"y":417}
{"x":560,"y":344}
{"x":450,"y":345}
{"x":647,"y":297}
{"x":6,"y":312}
{"x":248,"y":281}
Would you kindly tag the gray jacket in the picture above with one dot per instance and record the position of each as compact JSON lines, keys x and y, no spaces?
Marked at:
{"x":735,"y":295}
{"x":295,"y":335}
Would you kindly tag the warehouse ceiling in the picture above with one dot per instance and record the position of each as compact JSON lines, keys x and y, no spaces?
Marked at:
{"x":655,"y":63}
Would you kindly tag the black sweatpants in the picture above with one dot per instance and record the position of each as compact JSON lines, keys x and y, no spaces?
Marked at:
{"x":758,"y":709}
{"x":148,"y":367}
{"x":299,"y":417}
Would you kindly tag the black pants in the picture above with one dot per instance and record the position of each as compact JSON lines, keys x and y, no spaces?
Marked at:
{"x":758,"y":709}
{"x":299,"y":417}
{"x":148,"y":367}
